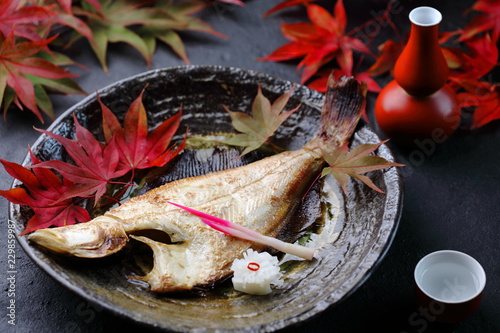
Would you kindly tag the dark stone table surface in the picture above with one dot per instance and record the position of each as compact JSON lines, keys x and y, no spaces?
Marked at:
{"x":452,"y":190}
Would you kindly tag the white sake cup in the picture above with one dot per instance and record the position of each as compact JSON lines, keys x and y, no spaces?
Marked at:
{"x":449,"y":285}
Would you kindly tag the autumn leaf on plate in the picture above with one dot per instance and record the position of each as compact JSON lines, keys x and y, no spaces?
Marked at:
{"x":18,"y":63}
{"x":94,"y":165}
{"x":265,"y":119}
{"x":138,"y":148}
{"x":43,"y":192}
{"x":344,"y":163}
{"x":319,"y":42}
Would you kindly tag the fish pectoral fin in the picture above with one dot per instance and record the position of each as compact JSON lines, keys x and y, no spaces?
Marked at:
{"x":169,"y":271}
{"x":95,"y":239}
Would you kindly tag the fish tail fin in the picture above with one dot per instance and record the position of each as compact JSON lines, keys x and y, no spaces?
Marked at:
{"x":344,"y":104}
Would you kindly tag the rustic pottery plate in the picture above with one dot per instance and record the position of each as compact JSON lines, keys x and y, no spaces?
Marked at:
{"x":354,"y":230}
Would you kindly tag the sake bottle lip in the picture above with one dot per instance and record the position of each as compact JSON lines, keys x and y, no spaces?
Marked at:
{"x":425,"y":16}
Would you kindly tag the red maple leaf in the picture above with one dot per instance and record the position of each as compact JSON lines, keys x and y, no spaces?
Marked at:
{"x":488,"y":19}
{"x":138,"y":148}
{"x":21,"y":20}
{"x":43,"y":191}
{"x":482,"y":95}
{"x":233,"y":2}
{"x":63,"y":15}
{"x":479,"y":60}
{"x":320,"y":83}
{"x":17,"y":59}
{"x":319,"y":42}
{"x":66,"y":5}
{"x":388,"y":54}
{"x":287,"y":4}
{"x":389,"y":51}
{"x":95,"y":164}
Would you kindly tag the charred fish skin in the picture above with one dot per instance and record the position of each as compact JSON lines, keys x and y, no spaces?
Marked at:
{"x":258,"y":196}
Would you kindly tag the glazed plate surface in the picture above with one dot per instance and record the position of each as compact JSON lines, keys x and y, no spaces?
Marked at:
{"x":361,"y":224}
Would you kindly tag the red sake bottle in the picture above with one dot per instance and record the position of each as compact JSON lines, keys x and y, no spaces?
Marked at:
{"x":418,"y":105}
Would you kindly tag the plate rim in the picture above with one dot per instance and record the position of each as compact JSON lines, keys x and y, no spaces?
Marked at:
{"x":305,"y":314}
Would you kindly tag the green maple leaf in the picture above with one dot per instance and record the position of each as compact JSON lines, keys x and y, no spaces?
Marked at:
{"x":266,"y":118}
{"x":344,"y":163}
{"x":175,"y":18}
{"x":111,"y":24}
{"x":140,"y":25}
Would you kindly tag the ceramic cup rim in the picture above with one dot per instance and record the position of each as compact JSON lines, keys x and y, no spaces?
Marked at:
{"x":478,"y":271}
{"x":425,"y":16}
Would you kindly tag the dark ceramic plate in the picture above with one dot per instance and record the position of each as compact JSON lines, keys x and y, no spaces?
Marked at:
{"x":354,"y":241}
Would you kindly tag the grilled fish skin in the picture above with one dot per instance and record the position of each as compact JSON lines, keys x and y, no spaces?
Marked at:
{"x":259,"y":196}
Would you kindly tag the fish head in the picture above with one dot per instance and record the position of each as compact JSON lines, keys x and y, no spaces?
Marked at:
{"x":95,"y":239}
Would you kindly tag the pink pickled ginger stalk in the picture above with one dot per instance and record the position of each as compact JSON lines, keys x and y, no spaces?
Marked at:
{"x":238,"y":231}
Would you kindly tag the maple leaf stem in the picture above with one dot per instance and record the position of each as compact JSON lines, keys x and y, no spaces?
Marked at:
{"x":124,"y":190}
{"x":122,"y":183}
{"x":79,"y":200}
{"x":110,"y":199}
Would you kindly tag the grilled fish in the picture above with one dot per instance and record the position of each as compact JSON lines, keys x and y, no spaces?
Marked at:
{"x":259,"y":196}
